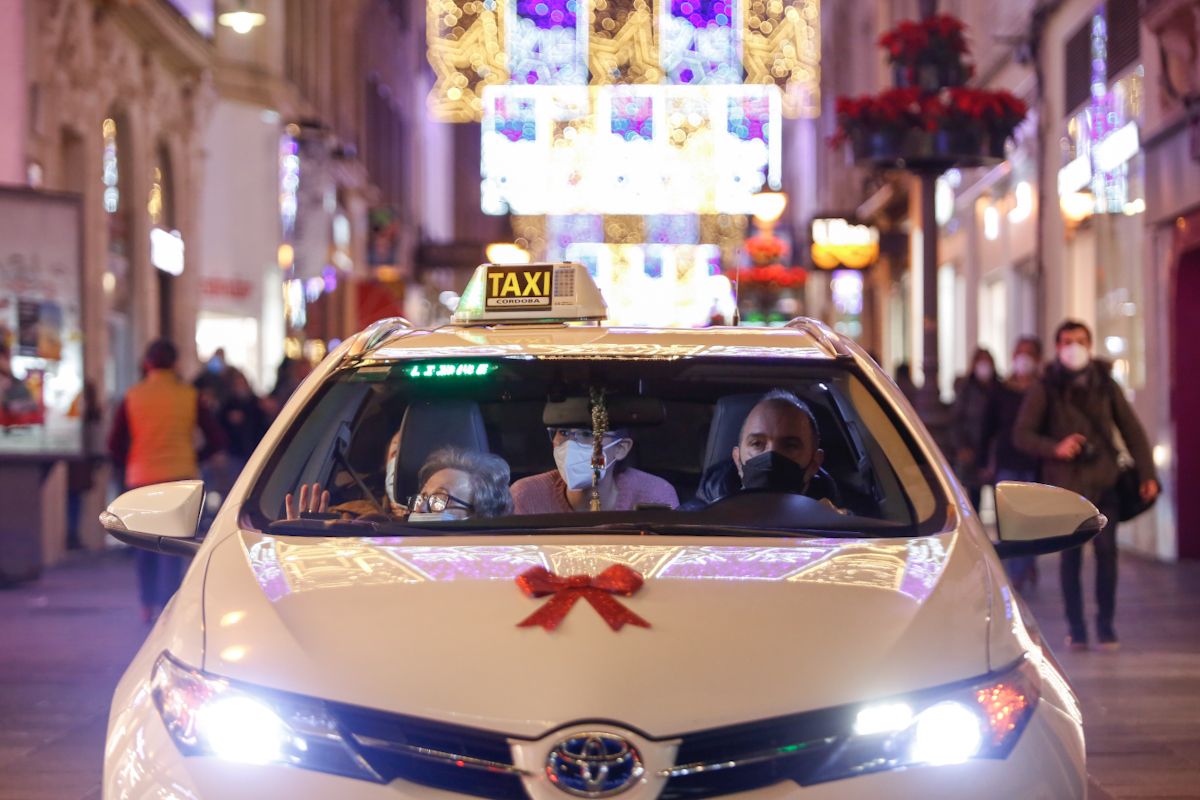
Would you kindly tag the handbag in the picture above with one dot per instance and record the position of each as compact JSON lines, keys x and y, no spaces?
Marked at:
{"x":1129,"y":485}
{"x":1129,"y":494}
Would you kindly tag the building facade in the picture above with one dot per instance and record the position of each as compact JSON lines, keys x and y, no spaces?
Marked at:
{"x":1090,"y":216}
{"x":248,"y":187}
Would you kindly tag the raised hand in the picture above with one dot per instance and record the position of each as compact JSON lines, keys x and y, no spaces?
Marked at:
{"x":311,"y":499}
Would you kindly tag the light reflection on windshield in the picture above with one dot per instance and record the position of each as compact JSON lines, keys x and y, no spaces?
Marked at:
{"x":592,"y":350}
{"x":910,"y":567}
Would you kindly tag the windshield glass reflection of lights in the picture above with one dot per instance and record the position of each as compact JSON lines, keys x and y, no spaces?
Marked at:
{"x":910,"y":568}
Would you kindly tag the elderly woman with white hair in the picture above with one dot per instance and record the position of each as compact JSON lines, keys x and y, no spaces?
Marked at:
{"x":455,"y":484}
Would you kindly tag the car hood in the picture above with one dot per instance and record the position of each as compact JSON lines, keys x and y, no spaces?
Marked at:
{"x":740,"y":629}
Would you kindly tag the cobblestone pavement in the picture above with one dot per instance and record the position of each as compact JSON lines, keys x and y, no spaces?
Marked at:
{"x":65,"y":640}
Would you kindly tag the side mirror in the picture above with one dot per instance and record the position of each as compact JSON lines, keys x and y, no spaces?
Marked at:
{"x":161,"y":517}
{"x":1033,"y":519}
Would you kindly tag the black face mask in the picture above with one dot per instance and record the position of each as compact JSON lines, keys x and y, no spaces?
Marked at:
{"x":774,"y":472}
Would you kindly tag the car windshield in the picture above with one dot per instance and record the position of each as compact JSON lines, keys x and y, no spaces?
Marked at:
{"x":515,"y":444}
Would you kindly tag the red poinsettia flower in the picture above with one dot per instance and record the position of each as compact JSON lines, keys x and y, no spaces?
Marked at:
{"x":935,"y":38}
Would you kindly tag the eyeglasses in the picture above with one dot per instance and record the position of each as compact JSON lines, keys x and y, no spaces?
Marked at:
{"x":437,"y":502}
{"x":578,"y":435}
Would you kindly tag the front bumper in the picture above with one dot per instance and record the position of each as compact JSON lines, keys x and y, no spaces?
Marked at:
{"x":143,"y":762}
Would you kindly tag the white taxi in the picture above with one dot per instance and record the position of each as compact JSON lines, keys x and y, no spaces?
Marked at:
{"x":731,"y":563}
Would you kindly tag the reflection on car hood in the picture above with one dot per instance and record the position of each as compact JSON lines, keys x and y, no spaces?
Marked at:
{"x":739,"y":631}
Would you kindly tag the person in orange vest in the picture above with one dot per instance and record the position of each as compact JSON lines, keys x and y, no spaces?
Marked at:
{"x":152,"y":436}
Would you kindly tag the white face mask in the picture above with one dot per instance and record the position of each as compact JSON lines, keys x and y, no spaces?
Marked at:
{"x":574,"y":462}
{"x":983,"y":372}
{"x":1023,"y":365}
{"x":1074,"y":356}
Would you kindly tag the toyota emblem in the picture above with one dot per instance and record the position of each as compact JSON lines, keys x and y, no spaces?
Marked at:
{"x":594,"y":765}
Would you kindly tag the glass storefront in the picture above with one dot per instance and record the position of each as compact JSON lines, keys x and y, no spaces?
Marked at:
{"x":1102,"y":195}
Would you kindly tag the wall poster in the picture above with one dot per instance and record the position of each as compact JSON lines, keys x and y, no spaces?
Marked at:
{"x":41,"y":326}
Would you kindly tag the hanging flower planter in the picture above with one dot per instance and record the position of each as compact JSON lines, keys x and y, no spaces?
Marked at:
{"x":930,"y":76}
{"x":930,"y":120}
{"x":928,"y":54}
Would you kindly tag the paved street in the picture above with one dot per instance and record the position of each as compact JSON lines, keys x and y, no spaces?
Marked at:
{"x":67,"y":638}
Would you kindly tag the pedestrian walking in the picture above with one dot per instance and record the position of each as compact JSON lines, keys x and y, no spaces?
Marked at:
{"x":1001,"y":459}
{"x":152,"y":436}
{"x":81,"y":473}
{"x":211,"y":381}
{"x":905,"y":383}
{"x":972,"y":395}
{"x":242,"y":418}
{"x":289,"y":376}
{"x":1069,"y":419}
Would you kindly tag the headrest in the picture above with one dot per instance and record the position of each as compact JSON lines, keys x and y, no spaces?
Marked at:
{"x":623,"y":412}
{"x":428,"y":425}
{"x":728,"y":415}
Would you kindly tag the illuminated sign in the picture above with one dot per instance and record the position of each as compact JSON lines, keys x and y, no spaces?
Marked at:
{"x":1117,"y":148}
{"x":1075,"y":176}
{"x":705,"y":149}
{"x":166,"y":250}
{"x":544,"y":291}
{"x":452,"y":370}
{"x":526,"y":287}
{"x":474,"y":44}
{"x":839,"y":243}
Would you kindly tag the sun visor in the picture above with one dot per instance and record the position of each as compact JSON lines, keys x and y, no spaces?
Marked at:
{"x":623,"y":412}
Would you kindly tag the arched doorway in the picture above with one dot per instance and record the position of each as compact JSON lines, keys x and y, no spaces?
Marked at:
{"x":1185,"y":387}
{"x":118,"y":280}
{"x":166,"y":246}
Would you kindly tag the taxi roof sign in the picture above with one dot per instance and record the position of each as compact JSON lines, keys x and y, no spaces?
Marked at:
{"x":544,"y":292}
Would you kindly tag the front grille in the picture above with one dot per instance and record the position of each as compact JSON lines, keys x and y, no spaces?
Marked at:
{"x":739,"y":758}
{"x":709,"y":763}
{"x":456,"y":759}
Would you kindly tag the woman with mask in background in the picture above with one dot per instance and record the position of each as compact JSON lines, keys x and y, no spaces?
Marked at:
{"x":972,"y":394}
{"x":1000,"y":460}
{"x":569,"y":487}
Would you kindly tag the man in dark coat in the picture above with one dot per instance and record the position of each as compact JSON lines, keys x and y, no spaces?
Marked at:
{"x":1068,"y":420}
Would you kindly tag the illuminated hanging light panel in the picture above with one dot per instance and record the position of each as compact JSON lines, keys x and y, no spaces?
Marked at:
{"x":700,"y":41}
{"x":547,"y":45}
{"x":464,"y":50}
{"x":473,"y":44}
{"x":622,"y":43}
{"x":781,"y":45}
{"x":629,"y":149}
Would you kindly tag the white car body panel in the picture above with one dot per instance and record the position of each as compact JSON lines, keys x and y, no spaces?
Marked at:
{"x":893,"y":611}
{"x":742,"y":629}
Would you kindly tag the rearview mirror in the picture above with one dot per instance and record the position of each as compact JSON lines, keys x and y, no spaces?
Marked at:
{"x":1033,"y":519}
{"x":161,"y":517}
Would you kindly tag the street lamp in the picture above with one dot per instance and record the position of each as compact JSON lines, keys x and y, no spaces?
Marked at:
{"x":507,"y":253}
{"x":242,"y":20}
{"x":767,"y":208}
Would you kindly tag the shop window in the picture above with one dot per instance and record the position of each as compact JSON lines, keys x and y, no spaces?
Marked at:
{"x":1124,"y":36}
{"x":1078,"y":66}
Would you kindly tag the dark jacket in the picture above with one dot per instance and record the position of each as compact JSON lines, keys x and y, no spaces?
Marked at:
{"x":971,"y":401}
{"x":1090,"y":403}
{"x":999,"y":452}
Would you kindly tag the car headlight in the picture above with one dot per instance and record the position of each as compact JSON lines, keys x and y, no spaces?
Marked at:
{"x":941,"y":726}
{"x":209,"y":715}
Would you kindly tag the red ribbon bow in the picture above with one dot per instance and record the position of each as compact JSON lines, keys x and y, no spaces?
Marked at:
{"x":599,"y":591}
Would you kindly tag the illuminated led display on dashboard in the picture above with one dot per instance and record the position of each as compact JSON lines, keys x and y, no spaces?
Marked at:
{"x":451,"y":370}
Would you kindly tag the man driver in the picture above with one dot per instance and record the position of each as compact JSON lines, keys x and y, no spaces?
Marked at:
{"x":778,"y":449}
